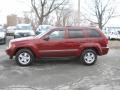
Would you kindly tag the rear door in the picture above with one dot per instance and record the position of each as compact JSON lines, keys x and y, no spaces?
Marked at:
{"x":76,"y":37}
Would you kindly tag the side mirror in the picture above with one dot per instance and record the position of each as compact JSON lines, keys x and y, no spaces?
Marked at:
{"x":46,"y":38}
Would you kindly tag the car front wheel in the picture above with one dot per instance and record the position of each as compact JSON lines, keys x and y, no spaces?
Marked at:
{"x":24,"y":57}
{"x":89,"y":57}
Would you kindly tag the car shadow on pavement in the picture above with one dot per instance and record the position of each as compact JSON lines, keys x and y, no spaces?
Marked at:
{"x":8,"y":62}
{"x":45,"y":62}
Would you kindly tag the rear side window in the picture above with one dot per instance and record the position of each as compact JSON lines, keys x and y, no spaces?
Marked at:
{"x":75,"y":33}
{"x":93,"y":33}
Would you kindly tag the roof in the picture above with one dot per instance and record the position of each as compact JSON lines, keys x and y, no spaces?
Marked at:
{"x":75,"y":27}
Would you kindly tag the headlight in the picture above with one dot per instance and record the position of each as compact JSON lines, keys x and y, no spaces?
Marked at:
{"x":9,"y":45}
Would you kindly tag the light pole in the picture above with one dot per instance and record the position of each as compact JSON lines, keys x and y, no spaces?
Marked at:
{"x":78,"y":12}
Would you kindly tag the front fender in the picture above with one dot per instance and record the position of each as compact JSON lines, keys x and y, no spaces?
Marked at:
{"x":30,"y":46}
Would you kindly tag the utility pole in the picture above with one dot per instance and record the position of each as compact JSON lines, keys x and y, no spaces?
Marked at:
{"x":78,"y":21}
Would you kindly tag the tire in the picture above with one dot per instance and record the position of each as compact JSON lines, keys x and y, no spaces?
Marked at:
{"x":88,"y":57}
{"x":24,"y":57}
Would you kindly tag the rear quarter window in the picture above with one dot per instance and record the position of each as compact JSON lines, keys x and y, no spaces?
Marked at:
{"x":93,"y":33}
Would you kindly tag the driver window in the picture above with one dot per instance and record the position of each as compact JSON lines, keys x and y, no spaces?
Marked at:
{"x":56,"y":35}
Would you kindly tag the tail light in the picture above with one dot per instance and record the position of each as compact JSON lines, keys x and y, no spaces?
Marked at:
{"x":105,"y":42}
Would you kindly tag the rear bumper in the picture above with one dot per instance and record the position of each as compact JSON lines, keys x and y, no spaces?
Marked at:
{"x":104,"y":50}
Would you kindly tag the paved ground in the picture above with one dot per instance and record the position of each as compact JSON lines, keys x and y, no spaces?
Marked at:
{"x":61,"y":75}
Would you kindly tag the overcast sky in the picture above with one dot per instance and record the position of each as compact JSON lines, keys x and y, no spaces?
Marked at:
{"x":19,"y":6}
{"x":12,"y":7}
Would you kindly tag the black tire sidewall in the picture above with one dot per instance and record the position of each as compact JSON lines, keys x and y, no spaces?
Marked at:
{"x":83,"y":54}
{"x":27,"y":51}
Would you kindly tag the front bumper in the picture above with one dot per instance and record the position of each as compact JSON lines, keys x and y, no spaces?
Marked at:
{"x":10,"y":52}
{"x":104,"y":50}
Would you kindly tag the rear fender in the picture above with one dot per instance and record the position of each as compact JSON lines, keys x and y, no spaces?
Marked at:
{"x":95,"y":46}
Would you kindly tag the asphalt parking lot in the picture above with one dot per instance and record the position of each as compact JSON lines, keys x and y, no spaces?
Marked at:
{"x":62,"y":74}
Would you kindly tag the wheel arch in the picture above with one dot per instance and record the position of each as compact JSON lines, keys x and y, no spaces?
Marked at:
{"x":97,"y":50}
{"x":28,"y":48}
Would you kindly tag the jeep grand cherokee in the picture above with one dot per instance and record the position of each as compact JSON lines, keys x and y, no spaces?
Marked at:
{"x":85,"y":42}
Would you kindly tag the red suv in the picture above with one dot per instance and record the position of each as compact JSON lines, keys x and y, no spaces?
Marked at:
{"x":85,"y":42}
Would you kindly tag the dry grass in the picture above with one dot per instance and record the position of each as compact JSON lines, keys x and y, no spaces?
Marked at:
{"x":114,"y":44}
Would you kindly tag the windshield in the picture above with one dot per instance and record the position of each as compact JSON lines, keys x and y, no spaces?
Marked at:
{"x":42,"y":28}
{"x":23,"y":27}
{"x":42,"y":33}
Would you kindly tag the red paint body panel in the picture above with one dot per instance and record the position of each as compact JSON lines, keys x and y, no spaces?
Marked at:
{"x":104,"y":50}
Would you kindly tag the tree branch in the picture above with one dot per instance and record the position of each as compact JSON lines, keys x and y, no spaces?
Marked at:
{"x":34,"y":7}
{"x":52,"y":9}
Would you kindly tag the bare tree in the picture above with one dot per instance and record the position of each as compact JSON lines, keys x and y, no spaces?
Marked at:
{"x":63,"y":13}
{"x":43,"y":8}
{"x":59,"y":16}
{"x":102,"y":10}
{"x":27,"y":18}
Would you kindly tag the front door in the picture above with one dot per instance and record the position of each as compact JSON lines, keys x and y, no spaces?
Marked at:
{"x":55,"y":45}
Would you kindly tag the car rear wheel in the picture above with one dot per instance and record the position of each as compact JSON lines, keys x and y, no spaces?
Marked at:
{"x":89,"y":57}
{"x":24,"y":57}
